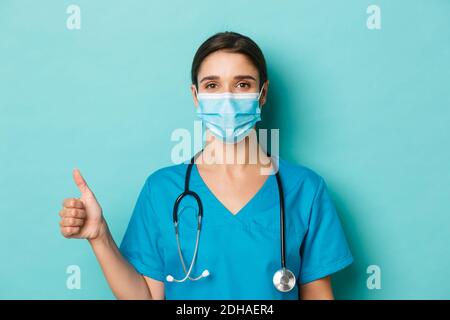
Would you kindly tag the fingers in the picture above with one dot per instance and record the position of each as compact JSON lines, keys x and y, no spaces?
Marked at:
{"x":71,"y":222}
{"x":69,"y":231}
{"x":80,"y":182}
{"x":73,"y":213}
{"x":73,"y":203}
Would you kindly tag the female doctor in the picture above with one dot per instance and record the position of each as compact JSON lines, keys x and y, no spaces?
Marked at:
{"x":236,"y":252}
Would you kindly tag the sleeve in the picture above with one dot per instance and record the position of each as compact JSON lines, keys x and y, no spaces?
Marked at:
{"x":324,"y":249}
{"x":141,"y":242}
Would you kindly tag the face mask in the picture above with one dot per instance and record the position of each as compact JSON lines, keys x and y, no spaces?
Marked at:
{"x":229,"y":116}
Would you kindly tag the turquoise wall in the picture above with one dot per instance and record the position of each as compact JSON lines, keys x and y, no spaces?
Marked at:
{"x":369,"y":110}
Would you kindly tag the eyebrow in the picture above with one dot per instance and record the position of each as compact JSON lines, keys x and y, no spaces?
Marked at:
{"x":238,"y":77}
{"x":245,"y":76}
{"x":209,"y":78}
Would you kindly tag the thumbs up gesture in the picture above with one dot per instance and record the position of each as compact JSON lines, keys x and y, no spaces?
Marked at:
{"x":82,"y":217}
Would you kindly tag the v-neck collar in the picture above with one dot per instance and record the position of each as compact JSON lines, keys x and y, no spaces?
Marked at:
{"x":243,"y":211}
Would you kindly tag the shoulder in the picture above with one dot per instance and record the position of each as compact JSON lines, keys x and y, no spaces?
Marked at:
{"x":162,"y":186}
{"x":169,"y":175}
{"x":299,"y":176}
{"x":304,"y":186}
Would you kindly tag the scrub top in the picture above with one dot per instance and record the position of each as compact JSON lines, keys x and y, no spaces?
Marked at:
{"x":240,"y":251}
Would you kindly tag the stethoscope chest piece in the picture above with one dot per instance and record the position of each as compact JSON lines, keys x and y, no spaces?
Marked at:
{"x":284,"y":280}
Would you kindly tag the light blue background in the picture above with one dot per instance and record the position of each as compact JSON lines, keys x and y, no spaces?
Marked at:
{"x":369,"y":110}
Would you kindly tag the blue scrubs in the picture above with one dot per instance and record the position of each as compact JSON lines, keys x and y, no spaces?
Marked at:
{"x":242,"y":251}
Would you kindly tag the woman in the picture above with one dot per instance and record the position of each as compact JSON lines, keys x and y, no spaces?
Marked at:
{"x":240,"y":234}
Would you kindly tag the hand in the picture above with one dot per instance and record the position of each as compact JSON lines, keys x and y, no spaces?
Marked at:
{"x":82,"y":218}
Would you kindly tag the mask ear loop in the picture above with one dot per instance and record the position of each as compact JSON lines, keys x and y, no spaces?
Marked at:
{"x":260,"y":92}
{"x":203,"y":124}
{"x":196,"y":93}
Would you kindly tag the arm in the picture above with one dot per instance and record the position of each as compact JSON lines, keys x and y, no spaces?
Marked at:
{"x":317,"y":290}
{"x":122,"y":278}
{"x":324,"y":249}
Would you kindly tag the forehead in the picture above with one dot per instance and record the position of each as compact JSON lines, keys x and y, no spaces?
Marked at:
{"x":226,"y":64}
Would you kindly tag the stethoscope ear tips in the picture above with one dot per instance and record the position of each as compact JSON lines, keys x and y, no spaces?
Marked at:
{"x":205,"y":273}
{"x":169,"y":278}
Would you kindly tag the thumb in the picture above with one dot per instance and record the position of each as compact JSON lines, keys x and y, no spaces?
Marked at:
{"x":80,"y":182}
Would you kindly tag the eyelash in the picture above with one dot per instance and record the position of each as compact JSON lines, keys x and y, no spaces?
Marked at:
{"x":209,"y":84}
{"x":248,"y":85}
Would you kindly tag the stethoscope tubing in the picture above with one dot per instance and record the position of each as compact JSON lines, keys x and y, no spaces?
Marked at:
{"x":187,"y":192}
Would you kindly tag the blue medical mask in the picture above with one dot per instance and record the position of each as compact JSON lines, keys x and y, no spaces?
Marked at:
{"x":229,"y":116}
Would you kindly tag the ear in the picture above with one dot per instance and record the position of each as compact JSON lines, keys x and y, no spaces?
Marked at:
{"x":263,"y":97}
{"x":194,"y":97}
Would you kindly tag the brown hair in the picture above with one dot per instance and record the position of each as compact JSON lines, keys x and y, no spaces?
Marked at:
{"x":230,"y":42}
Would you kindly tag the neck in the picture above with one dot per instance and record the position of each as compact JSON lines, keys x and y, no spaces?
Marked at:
{"x":236,"y":156}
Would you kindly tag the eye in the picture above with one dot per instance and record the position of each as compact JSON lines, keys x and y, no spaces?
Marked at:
{"x":243,"y":85}
{"x":211,"y":85}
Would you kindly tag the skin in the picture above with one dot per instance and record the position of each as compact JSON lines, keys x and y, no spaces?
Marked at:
{"x":233,"y":183}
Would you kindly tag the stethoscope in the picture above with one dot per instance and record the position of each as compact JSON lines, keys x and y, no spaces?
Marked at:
{"x":283,"y":279}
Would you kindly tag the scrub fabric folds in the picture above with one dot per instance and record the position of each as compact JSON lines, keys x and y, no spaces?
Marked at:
{"x":241,"y":251}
